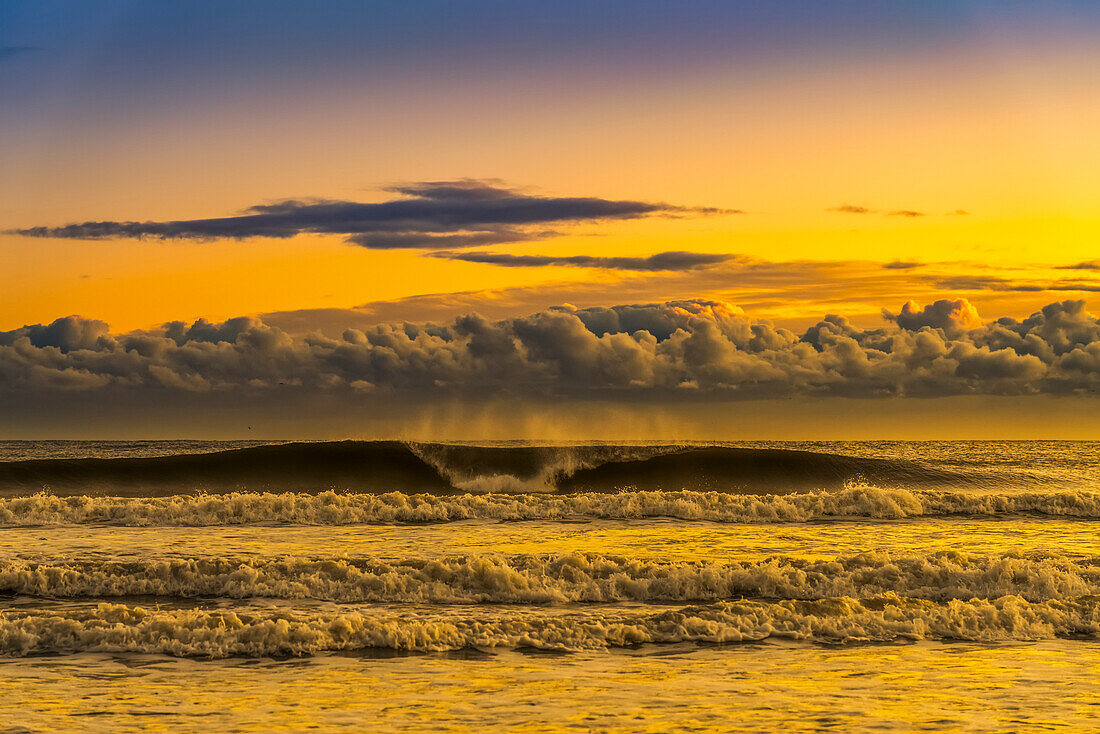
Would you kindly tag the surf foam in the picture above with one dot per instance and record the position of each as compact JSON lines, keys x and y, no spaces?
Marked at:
{"x":334,"y":508}
{"x":117,"y":628}
{"x":563,"y":578}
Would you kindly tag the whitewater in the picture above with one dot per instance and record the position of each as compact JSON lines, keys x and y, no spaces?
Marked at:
{"x":426,"y":574}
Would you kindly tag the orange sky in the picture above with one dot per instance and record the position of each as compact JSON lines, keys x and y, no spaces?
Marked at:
{"x":805,"y":158}
{"x":1001,"y":126}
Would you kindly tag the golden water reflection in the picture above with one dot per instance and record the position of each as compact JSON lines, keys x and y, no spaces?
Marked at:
{"x":925,"y":686}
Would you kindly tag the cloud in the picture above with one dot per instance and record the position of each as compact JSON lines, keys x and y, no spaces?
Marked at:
{"x":433,"y":215}
{"x":901,"y":265}
{"x":952,"y":317}
{"x":984,"y":283}
{"x":661,"y":261}
{"x":1086,"y":265}
{"x":65,"y":334}
{"x":652,"y":351}
{"x":856,"y":209}
{"x":789,"y":292}
{"x":994,"y":283}
{"x":426,"y":241}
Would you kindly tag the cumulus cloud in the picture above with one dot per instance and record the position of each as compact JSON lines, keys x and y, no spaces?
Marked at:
{"x":951,"y":317}
{"x":432,"y":215}
{"x":675,"y":260}
{"x":66,"y":334}
{"x":671,"y":349}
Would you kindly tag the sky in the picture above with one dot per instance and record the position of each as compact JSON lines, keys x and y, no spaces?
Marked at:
{"x":241,"y":207}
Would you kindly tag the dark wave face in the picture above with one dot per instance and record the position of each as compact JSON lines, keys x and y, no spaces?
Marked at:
{"x":385,"y":466}
{"x":375,"y":466}
{"x":760,"y":470}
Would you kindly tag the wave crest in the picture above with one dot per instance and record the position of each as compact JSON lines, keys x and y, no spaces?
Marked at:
{"x":381,"y":466}
{"x":117,"y":628}
{"x":333,"y":508}
{"x":563,"y":578}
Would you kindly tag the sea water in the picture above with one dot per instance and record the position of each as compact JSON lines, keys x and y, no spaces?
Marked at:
{"x":938,"y":586}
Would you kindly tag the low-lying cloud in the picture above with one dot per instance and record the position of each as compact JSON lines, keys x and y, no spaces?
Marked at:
{"x":995,"y":283}
{"x":1086,"y":265}
{"x":664,"y":351}
{"x":662,"y":261}
{"x":433,"y":215}
{"x":859,"y":209}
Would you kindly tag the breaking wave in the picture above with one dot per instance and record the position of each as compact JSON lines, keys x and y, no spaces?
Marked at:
{"x":337,"y":508}
{"x":561,"y":579}
{"x":384,"y":466}
{"x":119,"y":628}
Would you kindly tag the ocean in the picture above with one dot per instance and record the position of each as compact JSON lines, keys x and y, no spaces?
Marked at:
{"x":404,"y":586}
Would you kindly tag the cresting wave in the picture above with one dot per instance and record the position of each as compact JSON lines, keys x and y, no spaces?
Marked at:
{"x":382,"y":466}
{"x":557,"y":579}
{"x":120,"y":628}
{"x":334,"y":508}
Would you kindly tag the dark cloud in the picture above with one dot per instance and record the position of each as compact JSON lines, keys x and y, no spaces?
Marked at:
{"x":994,"y":283}
{"x":1086,"y":265}
{"x":651,"y":263}
{"x":984,"y":283}
{"x":66,"y":334}
{"x":1078,"y":286}
{"x":901,"y":265}
{"x":425,"y":241}
{"x":437,"y":214}
{"x":856,"y":209}
{"x":703,"y":347}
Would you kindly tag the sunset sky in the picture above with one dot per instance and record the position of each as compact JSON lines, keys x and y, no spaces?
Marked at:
{"x":319,"y":168}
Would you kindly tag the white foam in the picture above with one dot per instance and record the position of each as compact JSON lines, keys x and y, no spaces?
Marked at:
{"x":196,"y":632}
{"x":459,"y":465}
{"x":332,"y":508}
{"x":563,"y":578}
{"x":504,"y":483}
